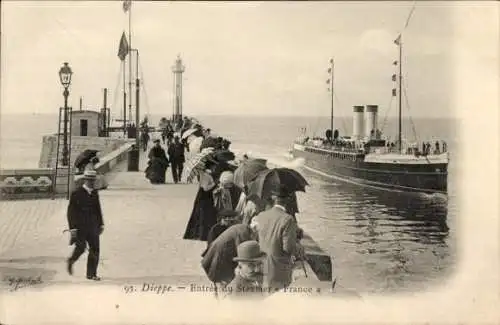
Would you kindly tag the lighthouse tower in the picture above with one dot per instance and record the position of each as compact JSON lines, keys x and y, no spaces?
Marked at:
{"x":178,"y":68}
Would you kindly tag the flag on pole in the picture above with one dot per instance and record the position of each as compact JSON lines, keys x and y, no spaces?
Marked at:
{"x":126,"y":5}
{"x":397,"y":41}
{"x":394,"y":77}
{"x":123,"y":49}
{"x":395,"y":63}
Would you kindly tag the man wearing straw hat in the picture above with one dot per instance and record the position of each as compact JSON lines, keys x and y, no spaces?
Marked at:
{"x":86,"y":224}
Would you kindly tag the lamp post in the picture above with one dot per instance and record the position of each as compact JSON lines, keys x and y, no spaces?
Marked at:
{"x":65,"y":77}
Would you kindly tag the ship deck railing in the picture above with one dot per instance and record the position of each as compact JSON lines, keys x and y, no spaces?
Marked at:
{"x":410,"y":151}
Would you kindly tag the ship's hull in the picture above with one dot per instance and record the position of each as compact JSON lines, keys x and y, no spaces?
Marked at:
{"x":425,"y":176}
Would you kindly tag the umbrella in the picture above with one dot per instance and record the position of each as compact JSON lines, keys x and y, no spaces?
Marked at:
{"x":197,"y":163}
{"x":189,"y":132}
{"x":224,"y":156}
{"x":269,"y":180}
{"x":85,"y":157}
{"x":209,"y":142}
{"x":248,"y":171}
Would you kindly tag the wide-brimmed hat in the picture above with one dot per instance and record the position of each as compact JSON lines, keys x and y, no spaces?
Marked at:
{"x":89,"y":174}
{"x":249,"y":251}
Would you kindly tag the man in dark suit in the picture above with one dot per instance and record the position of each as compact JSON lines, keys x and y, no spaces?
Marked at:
{"x":177,"y":158}
{"x":86,"y":224}
{"x":218,"y":259}
{"x":277,"y":236}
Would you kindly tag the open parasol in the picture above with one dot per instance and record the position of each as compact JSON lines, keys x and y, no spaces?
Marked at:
{"x":209,"y":142}
{"x":224,"y":155}
{"x":248,"y":170}
{"x":189,"y":132}
{"x":197,"y":163}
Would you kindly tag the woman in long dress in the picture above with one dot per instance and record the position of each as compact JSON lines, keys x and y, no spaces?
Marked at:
{"x":204,"y":214}
{"x":226,"y":194}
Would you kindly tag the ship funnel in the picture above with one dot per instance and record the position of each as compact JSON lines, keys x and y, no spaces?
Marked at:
{"x":371,"y":122}
{"x":358,"y":122}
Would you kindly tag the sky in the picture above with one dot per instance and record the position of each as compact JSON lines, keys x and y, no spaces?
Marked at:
{"x":250,"y":58}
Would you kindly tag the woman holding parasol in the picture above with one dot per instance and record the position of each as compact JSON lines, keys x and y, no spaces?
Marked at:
{"x":208,"y":166}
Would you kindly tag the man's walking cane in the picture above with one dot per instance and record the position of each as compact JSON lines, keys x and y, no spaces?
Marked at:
{"x":215,"y":291}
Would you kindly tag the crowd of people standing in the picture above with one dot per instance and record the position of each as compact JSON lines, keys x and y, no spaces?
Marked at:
{"x":252,"y":244}
{"x":174,"y":157}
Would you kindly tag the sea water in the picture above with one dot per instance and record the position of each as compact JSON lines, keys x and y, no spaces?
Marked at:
{"x":380,"y":241}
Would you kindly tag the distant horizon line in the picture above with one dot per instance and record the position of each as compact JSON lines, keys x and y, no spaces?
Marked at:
{"x":249,"y":115}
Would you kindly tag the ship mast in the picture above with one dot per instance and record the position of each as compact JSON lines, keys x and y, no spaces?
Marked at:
{"x":399,"y":79}
{"x":400,"y":45}
{"x":330,"y":82}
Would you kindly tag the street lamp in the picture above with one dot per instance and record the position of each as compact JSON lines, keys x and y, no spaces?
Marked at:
{"x":65,"y":74}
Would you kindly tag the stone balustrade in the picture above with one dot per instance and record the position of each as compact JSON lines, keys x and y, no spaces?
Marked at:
{"x":37,"y":183}
{"x":26,"y":183}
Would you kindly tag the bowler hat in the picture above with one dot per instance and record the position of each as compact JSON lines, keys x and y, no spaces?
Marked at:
{"x":281,"y":191}
{"x":249,"y":251}
{"x":90,"y":174}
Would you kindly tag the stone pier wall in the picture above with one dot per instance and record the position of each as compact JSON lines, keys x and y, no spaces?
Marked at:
{"x":24,"y":184}
{"x":79,"y":144}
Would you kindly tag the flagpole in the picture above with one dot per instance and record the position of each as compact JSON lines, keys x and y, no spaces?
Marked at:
{"x":124,"y":98}
{"x":130,"y":61}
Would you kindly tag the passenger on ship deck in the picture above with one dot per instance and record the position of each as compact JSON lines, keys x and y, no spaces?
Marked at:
{"x":157,"y":164}
{"x":436,"y":149}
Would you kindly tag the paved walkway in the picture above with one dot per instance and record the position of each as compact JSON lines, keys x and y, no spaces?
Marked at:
{"x":144,"y":224}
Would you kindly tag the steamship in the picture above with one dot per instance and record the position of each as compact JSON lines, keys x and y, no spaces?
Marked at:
{"x":367,"y":158}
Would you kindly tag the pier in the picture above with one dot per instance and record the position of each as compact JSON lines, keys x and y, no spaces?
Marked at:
{"x":142,"y":243}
